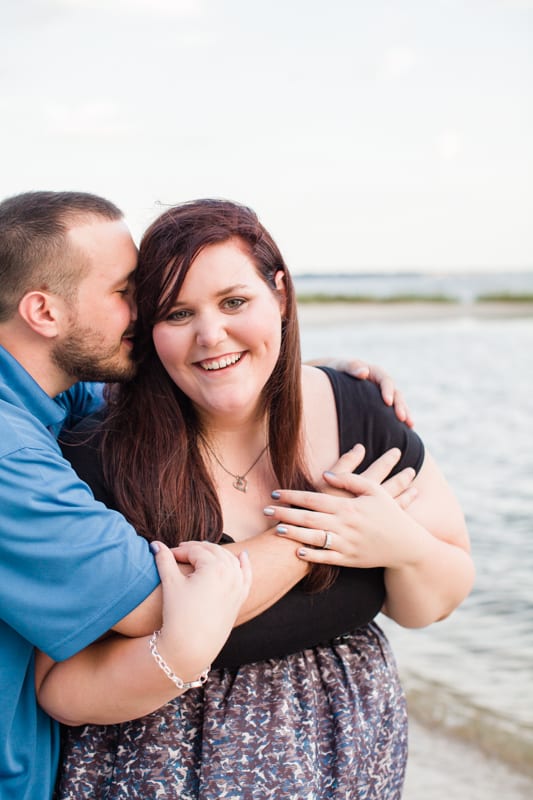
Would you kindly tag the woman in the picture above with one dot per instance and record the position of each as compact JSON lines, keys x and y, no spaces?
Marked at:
{"x":220,"y":380}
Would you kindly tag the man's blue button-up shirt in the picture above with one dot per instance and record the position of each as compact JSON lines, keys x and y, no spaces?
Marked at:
{"x":69,"y":568}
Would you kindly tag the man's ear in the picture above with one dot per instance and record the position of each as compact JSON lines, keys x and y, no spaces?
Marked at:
{"x":43,"y":312}
{"x":279,"y":281}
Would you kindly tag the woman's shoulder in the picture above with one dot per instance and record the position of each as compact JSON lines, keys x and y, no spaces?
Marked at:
{"x":320,"y":421}
{"x":354,"y":399}
{"x":345,"y":385}
{"x":314,"y":379}
{"x":364,"y":418}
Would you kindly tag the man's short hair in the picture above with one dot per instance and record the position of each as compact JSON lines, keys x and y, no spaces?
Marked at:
{"x":34,"y":251}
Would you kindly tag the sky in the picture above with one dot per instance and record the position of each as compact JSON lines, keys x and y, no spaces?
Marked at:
{"x":368,"y":136}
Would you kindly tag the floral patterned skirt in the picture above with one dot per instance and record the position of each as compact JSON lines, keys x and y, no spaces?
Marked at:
{"x":328,"y":722}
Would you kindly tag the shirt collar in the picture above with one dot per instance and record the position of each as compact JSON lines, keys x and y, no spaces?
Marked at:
{"x":18,"y":388}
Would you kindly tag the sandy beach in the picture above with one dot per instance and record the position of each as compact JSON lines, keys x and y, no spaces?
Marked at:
{"x":442,"y":768}
{"x":322,"y":313}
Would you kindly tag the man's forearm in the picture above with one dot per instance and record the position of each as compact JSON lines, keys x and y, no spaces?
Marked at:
{"x":111,"y":681}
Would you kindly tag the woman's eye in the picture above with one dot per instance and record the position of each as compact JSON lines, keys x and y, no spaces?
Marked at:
{"x":233,"y":303}
{"x":179,"y":316}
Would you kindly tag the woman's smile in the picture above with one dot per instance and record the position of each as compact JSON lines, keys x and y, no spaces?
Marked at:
{"x":220,"y":362}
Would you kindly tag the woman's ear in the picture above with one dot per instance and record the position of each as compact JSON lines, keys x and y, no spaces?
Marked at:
{"x":279,"y":282}
{"x":42,"y":312}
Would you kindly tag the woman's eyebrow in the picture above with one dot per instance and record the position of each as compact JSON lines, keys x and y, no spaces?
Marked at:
{"x":221,"y":292}
{"x":229,"y":289}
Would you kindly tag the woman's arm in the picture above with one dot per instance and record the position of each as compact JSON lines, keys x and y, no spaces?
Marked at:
{"x":424,"y":548}
{"x":440,"y":564}
{"x":274,"y":568}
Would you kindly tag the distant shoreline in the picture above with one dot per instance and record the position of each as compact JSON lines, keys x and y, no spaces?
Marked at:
{"x":334,"y":311}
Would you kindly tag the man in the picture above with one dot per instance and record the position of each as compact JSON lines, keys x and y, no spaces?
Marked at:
{"x":70,"y":569}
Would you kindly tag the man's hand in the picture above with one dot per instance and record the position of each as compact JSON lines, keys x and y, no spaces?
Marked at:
{"x":199,"y":610}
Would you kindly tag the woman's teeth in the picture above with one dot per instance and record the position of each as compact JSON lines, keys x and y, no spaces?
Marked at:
{"x":220,"y":363}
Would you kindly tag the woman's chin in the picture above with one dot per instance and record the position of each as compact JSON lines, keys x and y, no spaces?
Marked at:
{"x":231,"y":408}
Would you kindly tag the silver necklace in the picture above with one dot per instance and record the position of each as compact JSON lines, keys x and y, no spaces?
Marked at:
{"x":240,"y":483}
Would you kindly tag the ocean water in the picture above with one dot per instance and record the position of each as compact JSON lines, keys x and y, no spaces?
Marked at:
{"x":469,"y":383}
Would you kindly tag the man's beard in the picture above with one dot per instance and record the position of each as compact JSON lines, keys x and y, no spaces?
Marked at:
{"x":83,"y":356}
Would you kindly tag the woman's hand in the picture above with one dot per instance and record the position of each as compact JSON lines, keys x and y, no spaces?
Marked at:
{"x":423,"y":545}
{"x":368,"y":530}
{"x":371,"y":372}
{"x":339,"y":480}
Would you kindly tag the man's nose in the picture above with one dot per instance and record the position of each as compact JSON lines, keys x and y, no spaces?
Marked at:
{"x":133,"y":307}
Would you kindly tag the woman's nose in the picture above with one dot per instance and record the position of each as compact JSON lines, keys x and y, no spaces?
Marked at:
{"x":210,"y":331}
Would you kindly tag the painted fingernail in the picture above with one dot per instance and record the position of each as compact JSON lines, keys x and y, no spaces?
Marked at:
{"x":330,"y":473}
{"x":275,"y":495}
{"x":302,"y":551}
{"x":282,"y":530}
{"x":268,"y":511}
{"x":154,"y":547}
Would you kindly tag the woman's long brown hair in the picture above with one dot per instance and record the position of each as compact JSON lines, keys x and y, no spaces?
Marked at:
{"x":150,"y":442}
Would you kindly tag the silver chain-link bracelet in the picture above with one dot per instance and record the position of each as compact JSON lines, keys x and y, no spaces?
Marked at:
{"x":160,"y":661}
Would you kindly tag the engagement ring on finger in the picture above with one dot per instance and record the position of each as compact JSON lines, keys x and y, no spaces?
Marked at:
{"x":327,"y":540}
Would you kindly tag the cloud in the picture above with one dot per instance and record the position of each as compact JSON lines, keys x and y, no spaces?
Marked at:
{"x":448,"y":144}
{"x":398,"y":62}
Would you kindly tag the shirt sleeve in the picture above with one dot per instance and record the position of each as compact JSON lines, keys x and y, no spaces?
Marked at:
{"x":69,"y":567}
